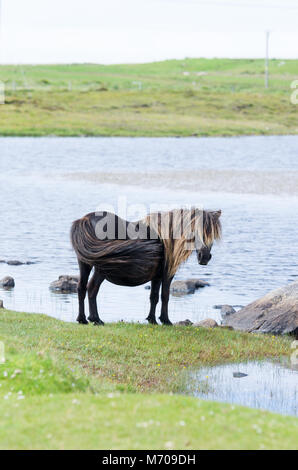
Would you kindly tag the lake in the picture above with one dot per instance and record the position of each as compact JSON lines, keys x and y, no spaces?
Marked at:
{"x":46,"y":183}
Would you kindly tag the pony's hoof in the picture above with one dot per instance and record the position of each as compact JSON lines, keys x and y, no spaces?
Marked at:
{"x":98,"y":323}
{"x":152,"y":321}
{"x":82,"y":321}
{"x":166,"y":322}
{"x":95,"y":320}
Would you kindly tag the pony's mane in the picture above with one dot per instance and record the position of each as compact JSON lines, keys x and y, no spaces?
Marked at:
{"x":180,"y":229}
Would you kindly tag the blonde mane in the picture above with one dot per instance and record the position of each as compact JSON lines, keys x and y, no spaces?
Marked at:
{"x":180,"y":230}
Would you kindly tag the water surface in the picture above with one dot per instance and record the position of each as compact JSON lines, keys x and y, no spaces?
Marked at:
{"x":42,"y":190}
{"x":268,"y":385}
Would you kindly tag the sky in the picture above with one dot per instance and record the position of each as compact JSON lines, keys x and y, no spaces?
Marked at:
{"x":121,"y":31}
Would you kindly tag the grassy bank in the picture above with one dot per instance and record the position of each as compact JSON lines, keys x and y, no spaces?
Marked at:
{"x":71,"y":386}
{"x":172,"y":98}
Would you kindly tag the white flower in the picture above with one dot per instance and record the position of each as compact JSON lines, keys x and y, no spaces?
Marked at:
{"x":169,"y":445}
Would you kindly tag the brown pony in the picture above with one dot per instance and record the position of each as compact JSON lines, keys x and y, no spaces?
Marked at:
{"x":133,"y":253}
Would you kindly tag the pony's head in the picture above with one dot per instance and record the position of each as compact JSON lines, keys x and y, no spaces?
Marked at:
{"x":210,"y":231}
{"x":183,"y":231}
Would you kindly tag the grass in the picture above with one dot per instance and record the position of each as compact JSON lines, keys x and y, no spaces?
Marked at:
{"x":200,"y":97}
{"x":71,"y":386}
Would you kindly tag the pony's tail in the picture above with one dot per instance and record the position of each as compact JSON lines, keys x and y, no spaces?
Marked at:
{"x":84,"y":241}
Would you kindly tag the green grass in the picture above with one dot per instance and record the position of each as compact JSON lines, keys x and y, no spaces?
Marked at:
{"x":72,"y":386}
{"x":82,"y":421}
{"x":199,"y":97}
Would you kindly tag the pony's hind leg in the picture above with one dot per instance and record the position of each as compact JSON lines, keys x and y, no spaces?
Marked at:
{"x":85,"y":270}
{"x":93,"y":288}
{"x":154,"y":296}
{"x":165,"y":293}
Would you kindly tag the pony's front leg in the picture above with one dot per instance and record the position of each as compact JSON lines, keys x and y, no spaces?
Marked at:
{"x":93,"y":288}
{"x":165,"y":293}
{"x":154,"y":296}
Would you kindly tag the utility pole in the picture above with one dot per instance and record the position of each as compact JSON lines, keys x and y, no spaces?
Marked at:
{"x":267,"y":60}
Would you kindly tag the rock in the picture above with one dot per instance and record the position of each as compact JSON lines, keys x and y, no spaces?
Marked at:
{"x":276,"y":313}
{"x":184,"y":323}
{"x":182,"y":288}
{"x":220,"y":306}
{"x":227,"y":310}
{"x":187,"y":287}
{"x":1,"y":304}
{"x":198,"y":282}
{"x":65,"y":284}
{"x":207,"y":323}
{"x":15,"y":262}
{"x":239,"y":375}
{"x":7,"y":282}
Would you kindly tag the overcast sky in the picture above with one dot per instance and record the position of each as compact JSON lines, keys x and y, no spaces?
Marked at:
{"x":115,"y":31}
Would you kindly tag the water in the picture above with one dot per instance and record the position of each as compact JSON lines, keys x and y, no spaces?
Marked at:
{"x":268,"y":385}
{"x":45,"y":183}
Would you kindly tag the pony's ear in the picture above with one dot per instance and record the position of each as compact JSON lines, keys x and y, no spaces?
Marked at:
{"x":217,"y":214}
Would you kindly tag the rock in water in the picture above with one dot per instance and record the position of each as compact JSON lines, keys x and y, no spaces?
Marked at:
{"x":276,"y":313}
{"x":187,"y":287}
{"x":239,"y":375}
{"x":7,"y":282}
{"x":182,"y":288}
{"x":227,"y":310}
{"x":65,"y":284}
{"x":207,"y":323}
{"x":198,"y":282}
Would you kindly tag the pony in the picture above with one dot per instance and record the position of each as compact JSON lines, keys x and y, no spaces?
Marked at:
{"x":134,"y":253}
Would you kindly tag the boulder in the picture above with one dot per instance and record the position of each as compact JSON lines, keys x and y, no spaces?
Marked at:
{"x":198,"y":282}
{"x":182,"y":288}
{"x":227,"y":310}
{"x":184,"y":323}
{"x":187,"y":287}
{"x":7,"y":282}
{"x":207,"y":323}
{"x":65,"y":284}
{"x":1,"y":304}
{"x":276,"y":313}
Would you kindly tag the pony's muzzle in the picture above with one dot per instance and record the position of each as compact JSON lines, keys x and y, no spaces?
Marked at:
{"x":204,"y":258}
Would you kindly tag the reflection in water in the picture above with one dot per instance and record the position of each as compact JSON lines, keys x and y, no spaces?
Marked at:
{"x":258,"y":252}
{"x":268,"y":385}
